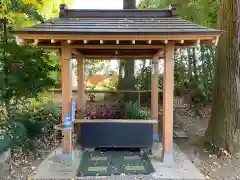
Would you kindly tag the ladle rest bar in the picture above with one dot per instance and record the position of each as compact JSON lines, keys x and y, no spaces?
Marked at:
{"x":119,"y":133}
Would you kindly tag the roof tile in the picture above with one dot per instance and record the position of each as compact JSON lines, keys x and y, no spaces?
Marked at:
{"x":118,"y":25}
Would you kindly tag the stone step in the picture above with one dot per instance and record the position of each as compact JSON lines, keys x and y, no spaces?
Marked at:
{"x":179,"y":133}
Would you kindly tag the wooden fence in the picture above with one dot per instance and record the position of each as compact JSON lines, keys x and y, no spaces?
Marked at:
{"x":56,"y":93}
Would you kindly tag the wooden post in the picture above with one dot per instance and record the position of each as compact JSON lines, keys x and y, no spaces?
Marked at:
{"x":80,"y":87}
{"x":168,"y":87}
{"x":66,"y":83}
{"x":154,"y":97}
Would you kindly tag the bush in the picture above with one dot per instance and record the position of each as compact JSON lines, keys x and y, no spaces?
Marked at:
{"x":133,"y":111}
{"x":27,"y":123}
{"x":48,"y":111}
{"x":38,"y":118}
{"x":12,"y":134}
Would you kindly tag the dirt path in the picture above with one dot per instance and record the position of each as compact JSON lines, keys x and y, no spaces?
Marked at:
{"x":210,"y":165}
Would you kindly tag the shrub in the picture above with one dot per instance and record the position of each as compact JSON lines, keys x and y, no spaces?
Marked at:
{"x":12,"y":134}
{"x":133,"y":111}
{"x":38,"y":118}
{"x":48,"y":111}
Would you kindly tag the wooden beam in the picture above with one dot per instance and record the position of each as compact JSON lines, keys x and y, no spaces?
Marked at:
{"x":168,"y":85}
{"x":144,"y":37}
{"x":107,"y":91}
{"x":216,"y":41}
{"x":75,"y":52}
{"x":66,"y":79}
{"x":186,"y":44}
{"x":106,"y":57}
{"x":131,"y":121}
{"x":80,"y":87}
{"x":131,"y":46}
{"x":66,"y":82}
{"x":154,"y":96}
{"x":158,"y":55}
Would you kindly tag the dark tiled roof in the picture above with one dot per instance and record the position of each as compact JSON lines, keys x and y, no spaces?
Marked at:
{"x":74,"y":21}
{"x":154,"y":25}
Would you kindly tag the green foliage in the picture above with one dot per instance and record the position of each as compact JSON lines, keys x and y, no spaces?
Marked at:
{"x":96,"y":66}
{"x":56,"y":74}
{"x":193,"y":68}
{"x":24,"y":72}
{"x":133,"y":111}
{"x":38,"y":118}
{"x":12,"y":134}
{"x":50,"y":9}
{"x":49,"y":111}
{"x":28,"y":122}
{"x":203,"y":12}
{"x":144,"y":79}
{"x":21,"y":13}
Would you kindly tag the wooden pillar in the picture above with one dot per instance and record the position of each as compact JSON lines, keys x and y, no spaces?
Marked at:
{"x":80,"y":87}
{"x":66,"y":83}
{"x":154,"y":97}
{"x":168,"y":87}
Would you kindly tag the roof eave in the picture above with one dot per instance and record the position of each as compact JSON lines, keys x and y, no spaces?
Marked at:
{"x":214,"y":32}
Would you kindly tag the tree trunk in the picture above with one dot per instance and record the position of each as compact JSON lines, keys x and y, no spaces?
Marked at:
{"x":128,"y":81}
{"x":194,"y":61}
{"x":224,"y":126}
{"x":143,"y":69}
{"x":189,"y":55}
{"x":129,"y":4}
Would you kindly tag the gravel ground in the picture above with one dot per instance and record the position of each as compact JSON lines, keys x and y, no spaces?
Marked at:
{"x":213,"y":167}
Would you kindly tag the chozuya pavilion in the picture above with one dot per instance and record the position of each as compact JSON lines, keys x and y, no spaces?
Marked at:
{"x":119,"y":34}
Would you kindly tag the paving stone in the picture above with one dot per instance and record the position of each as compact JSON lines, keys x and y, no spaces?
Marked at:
{"x":180,"y":133}
{"x":134,"y":168}
{"x":97,"y":168}
{"x":132,"y":158}
{"x":98,"y":158}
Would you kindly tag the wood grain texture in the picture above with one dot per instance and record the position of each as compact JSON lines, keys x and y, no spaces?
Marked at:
{"x":115,"y":121}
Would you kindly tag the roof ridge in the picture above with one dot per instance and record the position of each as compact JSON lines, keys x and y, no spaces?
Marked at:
{"x":110,"y":13}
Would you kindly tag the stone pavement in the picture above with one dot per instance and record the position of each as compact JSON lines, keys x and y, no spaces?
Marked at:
{"x":57,"y":166}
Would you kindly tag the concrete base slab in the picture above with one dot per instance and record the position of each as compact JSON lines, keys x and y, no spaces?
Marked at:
{"x":182,"y":168}
{"x":167,"y":158}
{"x":58,"y":166}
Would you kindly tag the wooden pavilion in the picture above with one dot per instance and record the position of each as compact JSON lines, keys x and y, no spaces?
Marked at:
{"x":120,"y":34}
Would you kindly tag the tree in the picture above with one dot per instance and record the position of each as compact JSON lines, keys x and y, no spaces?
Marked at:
{"x":193,"y":69}
{"x":24,"y":72}
{"x":224,"y":126}
{"x":128,"y":81}
{"x":21,"y":13}
{"x":203,"y":12}
{"x":129,"y":4}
